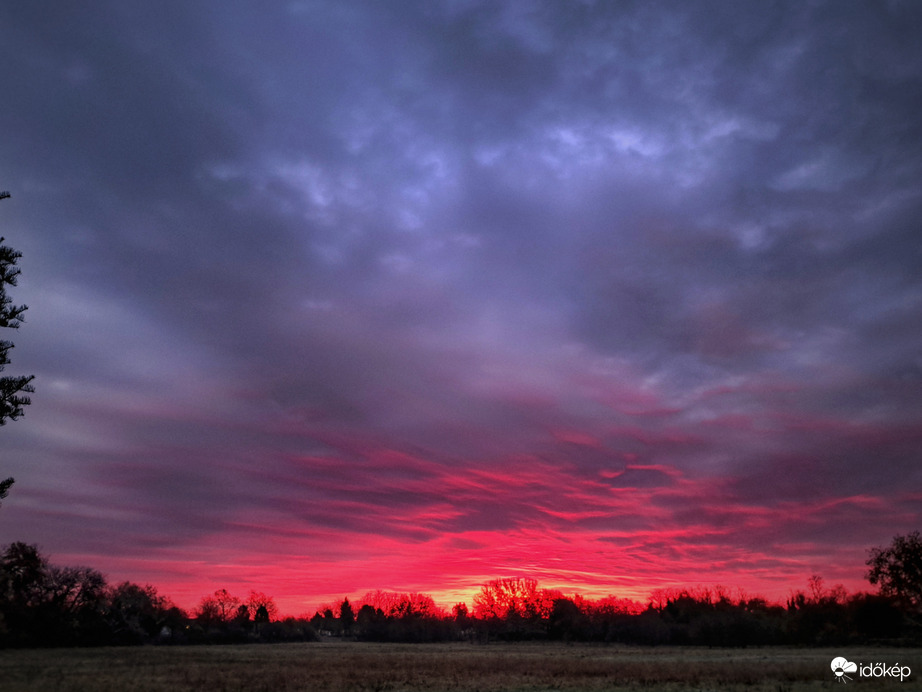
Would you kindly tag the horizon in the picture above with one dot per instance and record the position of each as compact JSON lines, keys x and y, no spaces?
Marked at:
{"x":445,"y":600}
{"x":329,"y":297}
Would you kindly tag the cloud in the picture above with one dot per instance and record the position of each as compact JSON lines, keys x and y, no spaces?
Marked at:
{"x":430,"y":293}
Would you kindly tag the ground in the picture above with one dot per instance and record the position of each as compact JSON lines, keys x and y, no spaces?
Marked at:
{"x":335,"y":666}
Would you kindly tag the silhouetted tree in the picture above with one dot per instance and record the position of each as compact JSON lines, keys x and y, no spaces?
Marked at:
{"x":137,"y":613}
{"x":514,"y":608}
{"x":226,"y":604}
{"x":897,"y":569}
{"x":567,"y":621}
{"x":11,"y":388}
{"x":876,"y":617}
{"x":44,"y":605}
{"x":208,"y":611}
{"x":262,"y":607}
{"x":242,"y":617}
{"x":346,"y":616}
{"x":371,"y":623}
{"x":502,"y":598}
{"x":329,"y":620}
{"x":417,"y":605}
{"x":5,"y":486}
{"x":460,"y":615}
{"x":23,"y":587}
{"x":76,"y":606}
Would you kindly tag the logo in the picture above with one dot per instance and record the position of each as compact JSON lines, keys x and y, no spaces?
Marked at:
{"x":841,"y":666}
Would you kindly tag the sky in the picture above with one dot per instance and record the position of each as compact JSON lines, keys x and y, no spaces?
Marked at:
{"x":327,"y":297}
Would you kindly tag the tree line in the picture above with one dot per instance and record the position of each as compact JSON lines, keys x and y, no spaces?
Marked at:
{"x":42,"y":604}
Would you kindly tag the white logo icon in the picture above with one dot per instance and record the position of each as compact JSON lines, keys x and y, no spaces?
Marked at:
{"x":841,"y":666}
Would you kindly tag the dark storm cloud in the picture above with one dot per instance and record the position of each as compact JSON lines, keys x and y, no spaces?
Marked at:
{"x":320,"y":266}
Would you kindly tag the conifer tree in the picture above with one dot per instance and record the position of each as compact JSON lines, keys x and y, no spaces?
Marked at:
{"x":12,"y":389}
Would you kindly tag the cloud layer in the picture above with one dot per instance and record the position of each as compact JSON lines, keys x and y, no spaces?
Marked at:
{"x":329,"y":298}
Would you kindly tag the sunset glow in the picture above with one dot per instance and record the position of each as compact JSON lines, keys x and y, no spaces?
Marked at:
{"x":332,"y":297}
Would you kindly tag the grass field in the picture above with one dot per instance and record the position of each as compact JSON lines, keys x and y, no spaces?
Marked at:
{"x":350,"y":666}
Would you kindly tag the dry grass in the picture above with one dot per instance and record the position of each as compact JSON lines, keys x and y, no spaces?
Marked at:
{"x":354,"y":667}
